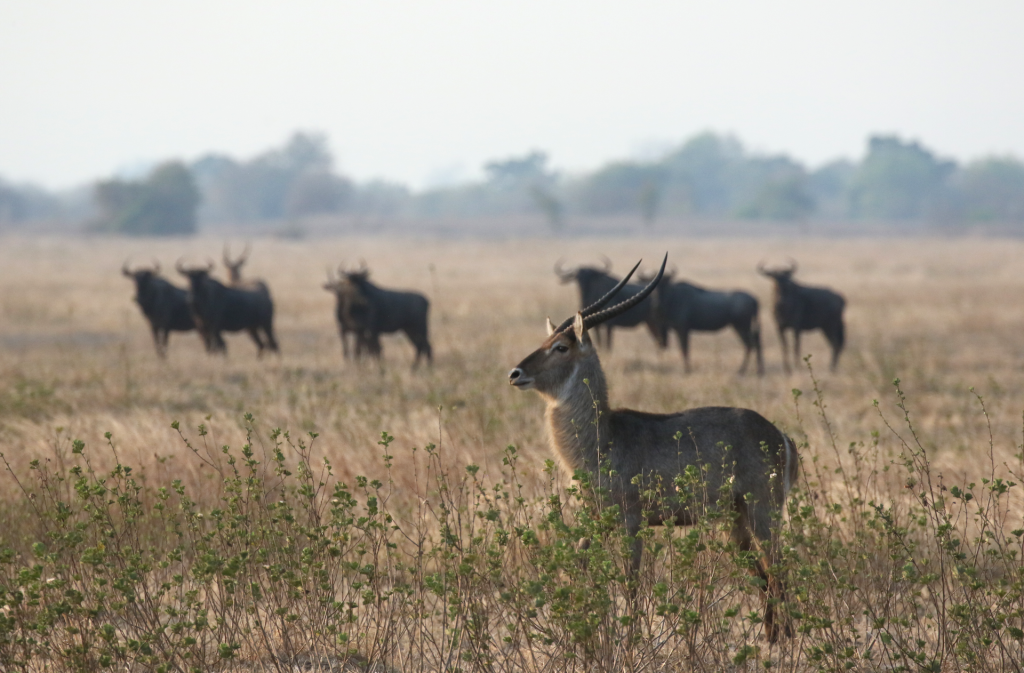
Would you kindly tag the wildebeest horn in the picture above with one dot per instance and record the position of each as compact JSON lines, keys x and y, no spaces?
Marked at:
{"x":362,"y":265}
{"x":760,"y":268}
{"x":792,"y":266}
{"x":564,"y":275}
{"x":156,"y":266}
{"x":607,"y":263}
{"x":623,"y":306}
{"x":209,"y":265}
{"x":179,"y":267}
{"x":124,"y":269}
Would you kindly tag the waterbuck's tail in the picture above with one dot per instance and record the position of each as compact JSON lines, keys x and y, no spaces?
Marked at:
{"x":790,"y":463}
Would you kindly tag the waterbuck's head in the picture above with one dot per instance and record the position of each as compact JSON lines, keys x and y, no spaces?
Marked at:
{"x":552,"y":366}
{"x":234,"y":266}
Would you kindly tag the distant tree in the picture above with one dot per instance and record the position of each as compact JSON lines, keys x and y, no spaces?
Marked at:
{"x":700,"y":175}
{"x":622,"y":187}
{"x":829,"y":186}
{"x":550,"y":205}
{"x":899,"y":181}
{"x":296,"y":179}
{"x":313,"y":193}
{"x":515,"y":171}
{"x":784,"y":199}
{"x":992,"y":190}
{"x":164,"y":204}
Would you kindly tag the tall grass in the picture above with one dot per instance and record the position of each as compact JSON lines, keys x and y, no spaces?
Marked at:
{"x":279,"y":563}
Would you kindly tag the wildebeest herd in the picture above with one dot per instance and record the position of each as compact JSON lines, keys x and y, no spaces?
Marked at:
{"x":364,"y":311}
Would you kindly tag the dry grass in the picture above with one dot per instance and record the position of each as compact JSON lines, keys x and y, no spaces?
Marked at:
{"x":76,"y":361}
{"x":75,"y":352}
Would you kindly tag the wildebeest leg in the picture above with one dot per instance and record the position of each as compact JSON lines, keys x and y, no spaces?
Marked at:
{"x":796,"y":347}
{"x":837,"y":338}
{"x":157,"y":341}
{"x":684,"y":344}
{"x":255,"y":334}
{"x":344,"y":342}
{"x":760,"y":355}
{"x":755,"y":535}
{"x":745,"y":336}
{"x":785,"y":349}
{"x":422,"y":348}
{"x":268,"y":331}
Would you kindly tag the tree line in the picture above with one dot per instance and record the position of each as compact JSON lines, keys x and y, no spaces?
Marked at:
{"x":710,"y":176}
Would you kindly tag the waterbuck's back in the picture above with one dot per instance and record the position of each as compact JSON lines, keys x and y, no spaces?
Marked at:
{"x":723,"y":442}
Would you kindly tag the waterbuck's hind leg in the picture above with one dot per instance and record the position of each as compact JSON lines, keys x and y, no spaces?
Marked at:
{"x":755,"y":535}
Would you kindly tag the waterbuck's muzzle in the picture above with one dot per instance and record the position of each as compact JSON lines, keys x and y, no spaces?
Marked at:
{"x":518,"y":378}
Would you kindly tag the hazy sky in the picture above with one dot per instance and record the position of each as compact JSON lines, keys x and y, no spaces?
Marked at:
{"x":425,"y":92}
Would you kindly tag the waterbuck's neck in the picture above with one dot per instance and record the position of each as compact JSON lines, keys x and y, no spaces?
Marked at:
{"x":578,"y":417}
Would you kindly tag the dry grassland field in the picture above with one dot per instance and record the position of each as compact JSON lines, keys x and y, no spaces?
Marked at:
{"x":942,"y":315}
{"x":76,"y":353}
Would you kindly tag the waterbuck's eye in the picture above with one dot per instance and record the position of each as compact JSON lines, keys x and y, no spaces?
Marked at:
{"x":562,"y":348}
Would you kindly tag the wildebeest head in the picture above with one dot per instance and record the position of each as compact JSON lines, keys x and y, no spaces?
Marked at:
{"x":143,"y":278}
{"x":234,"y":267}
{"x":780,"y":276}
{"x":195,"y":274}
{"x":583,"y":274}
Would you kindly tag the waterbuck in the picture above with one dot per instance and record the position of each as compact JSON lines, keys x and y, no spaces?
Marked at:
{"x":164,"y":305}
{"x":370,"y":311}
{"x":683,"y":307}
{"x":234,"y":266}
{"x":737,"y":452}
{"x":802,"y":308}
{"x":220,"y":308}
{"x":350,"y":312}
{"x":593,"y":283}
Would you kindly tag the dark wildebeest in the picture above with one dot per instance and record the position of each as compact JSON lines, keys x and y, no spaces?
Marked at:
{"x":220,"y":308}
{"x":371,"y":311}
{"x":350,"y":312}
{"x":593,"y":284}
{"x":164,"y":305}
{"x":683,"y":307}
{"x":802,"y":308}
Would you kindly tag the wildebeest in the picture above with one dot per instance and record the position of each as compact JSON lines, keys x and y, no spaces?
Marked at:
{"x":370,"y":311}
{"x":802,"y":308}
{"x":739,"y":455}
{"x":350,"y":312}
{"x":164,"y":305}
{"x":593,"y":283}
{"x":220,"y":308}
{"x":683,"y":307}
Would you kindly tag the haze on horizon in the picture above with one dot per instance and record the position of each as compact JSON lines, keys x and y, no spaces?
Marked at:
{"x":425,"y":93}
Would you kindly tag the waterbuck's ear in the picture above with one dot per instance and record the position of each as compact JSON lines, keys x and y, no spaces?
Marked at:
{"x":581,"y":331}
{"x":551,"y":326}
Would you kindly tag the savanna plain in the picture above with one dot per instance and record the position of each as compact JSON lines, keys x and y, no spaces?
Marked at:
{"x":310,"y":513}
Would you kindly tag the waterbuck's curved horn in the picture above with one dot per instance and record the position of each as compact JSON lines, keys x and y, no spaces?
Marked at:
{"x":124,"y":269}
{"x":607,"y":263}
{"x":600,"y":303}
{"x":623,"y":306}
